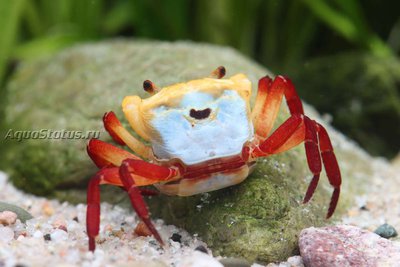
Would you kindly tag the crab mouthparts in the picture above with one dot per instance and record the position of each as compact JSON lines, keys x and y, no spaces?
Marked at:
{"x":200,"y":114}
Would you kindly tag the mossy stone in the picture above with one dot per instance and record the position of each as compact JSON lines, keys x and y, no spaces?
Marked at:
{"x":258,"y":220}
{"x":361,"y":92}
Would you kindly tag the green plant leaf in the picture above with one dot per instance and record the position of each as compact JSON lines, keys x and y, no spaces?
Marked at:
{"x":46,"y":45}
{"x":10,"y":12}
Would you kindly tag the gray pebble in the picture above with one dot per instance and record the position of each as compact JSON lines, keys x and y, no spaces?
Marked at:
{"x":386,"y":231}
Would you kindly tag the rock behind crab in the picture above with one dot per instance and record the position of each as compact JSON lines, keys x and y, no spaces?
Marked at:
{"x":258,"y":219}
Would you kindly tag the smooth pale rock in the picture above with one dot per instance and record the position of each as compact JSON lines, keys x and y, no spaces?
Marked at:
{"x":199,"y":259}
{"x":345,"y":245}
{"x":6,"y":234}
{"x":59,"y":235}
{"x":294,"y":261}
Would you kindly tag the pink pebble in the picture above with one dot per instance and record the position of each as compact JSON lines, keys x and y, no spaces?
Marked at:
{"x":8,"y":217}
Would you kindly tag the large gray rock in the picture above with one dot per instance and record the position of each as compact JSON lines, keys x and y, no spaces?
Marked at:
{"x":259,"y":219}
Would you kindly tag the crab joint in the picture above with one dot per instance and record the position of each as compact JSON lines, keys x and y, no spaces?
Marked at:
{"x":219,"y":72}
{"x":150,"y":87}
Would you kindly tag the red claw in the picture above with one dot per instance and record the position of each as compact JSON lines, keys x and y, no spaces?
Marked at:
{"x":110,"y":123}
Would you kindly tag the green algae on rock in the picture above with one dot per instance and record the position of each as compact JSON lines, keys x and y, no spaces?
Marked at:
{"x":258,"y":220}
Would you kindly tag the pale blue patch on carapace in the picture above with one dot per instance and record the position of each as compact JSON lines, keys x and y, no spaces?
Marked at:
{"x":223,"y":133}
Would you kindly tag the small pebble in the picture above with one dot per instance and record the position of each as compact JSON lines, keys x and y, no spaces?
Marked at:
{"x":198,"y":259}
{"x":201,"y":248}
{"x":386,"y":231}
{"x":47,"y":208}
{"x":59,"y":235}
{"x":6,"y":234}
{"x":142,"y":229}
{"x":37,"y":234}
{"x":295,"y":261}
{"x":47,"y":237}
{"x":8,"y":217}
{"x":176,"y":237}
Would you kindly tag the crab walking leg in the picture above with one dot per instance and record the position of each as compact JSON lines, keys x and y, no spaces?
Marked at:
{"x":112,"y":176}
{"x":103,"y":176}
{"x":143,"y":168}
{"x":331,"y":166}
{"x":313,"y":156}
{"x":123,"y":137}
{"x":279,"y":137}
{"x":259,"y":115}
{"x":104,"y":154}
{"x":268,"y":102}
{"x":107,"y":155}
{"x":292,"y":132}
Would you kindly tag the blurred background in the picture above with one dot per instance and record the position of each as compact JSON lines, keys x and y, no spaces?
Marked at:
{"x":343,"y":55}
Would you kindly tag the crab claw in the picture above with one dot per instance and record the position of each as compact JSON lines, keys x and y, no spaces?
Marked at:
{"x":104,"y":154}
{"x":111,"y":123}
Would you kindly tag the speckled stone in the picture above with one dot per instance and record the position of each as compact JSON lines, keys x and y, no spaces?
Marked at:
{"x":345,"y":245}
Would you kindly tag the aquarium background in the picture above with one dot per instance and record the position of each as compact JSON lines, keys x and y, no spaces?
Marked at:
{"x":343,"y":55}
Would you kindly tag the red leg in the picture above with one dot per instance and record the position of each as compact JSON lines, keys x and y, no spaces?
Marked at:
{"x":296,"y":129}
{"x":107,"y":155}
{"x":268,"y":102}
{"x":313,"y":157}
{"x":331,"y":166}
{"x":148,"y":192}
{"x":137,"y":172}
{"x":123,"y":137}
{"x":260,"y":116}
{"x":103,"y":176}
{"x":145,"y":169}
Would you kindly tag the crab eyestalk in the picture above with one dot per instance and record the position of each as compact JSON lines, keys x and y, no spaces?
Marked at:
{"x":218,"y":73}
{"x":150,"y":87}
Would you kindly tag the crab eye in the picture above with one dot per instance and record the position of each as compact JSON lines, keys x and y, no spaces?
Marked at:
{"x":200,"y":114}
{"x":150,"y":87}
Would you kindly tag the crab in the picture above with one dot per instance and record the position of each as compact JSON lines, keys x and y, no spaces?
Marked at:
{"x":204,"y":136}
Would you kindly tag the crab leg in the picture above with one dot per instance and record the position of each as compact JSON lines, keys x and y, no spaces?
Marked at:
{"x":103,"y":176}
{"x":331,"y":166}
{"x":263,"y":114}
{"x":123,"y":137}
{"x":142,"y":168}
{"x":107,"y":155}
{"x":298,"y":128}
{"x":137,"y":173}
{"x":268,"y":102}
